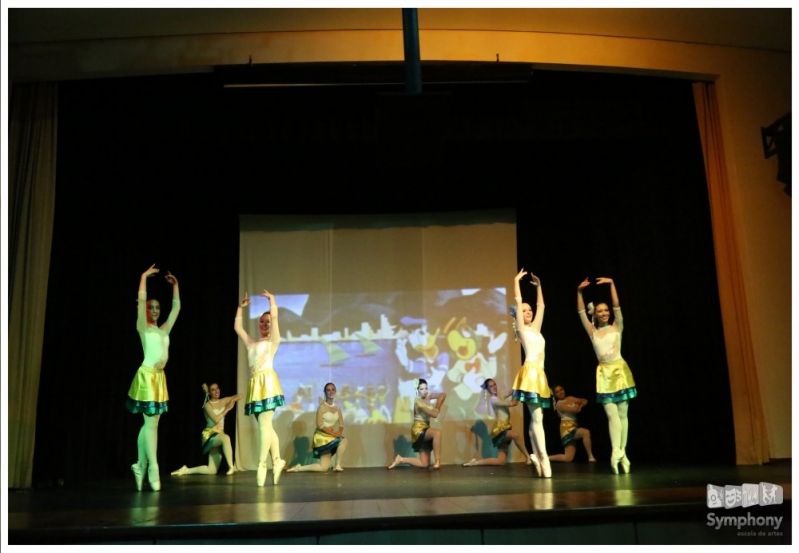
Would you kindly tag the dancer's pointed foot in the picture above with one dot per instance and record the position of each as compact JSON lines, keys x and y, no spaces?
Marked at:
{"x":138,"y":475}
{"x":180,"y":472}
{"x":471,"y":463}
{"x":528,"y":461}
{"x":277,"y":469}
{"x":295,"y":468}
{"x":230,"y":471}
{"x":625,"y":464}
{"x":535,"y":462}
{"x":154,"y":477}
{"x":260,"y":474}
{"x":546,"y":468}
{"x":338,"y":468}
{"x":615,"y":459}
{"x":592,"y":460}
{"x":397,"y":461}
{"x":436,"y":466}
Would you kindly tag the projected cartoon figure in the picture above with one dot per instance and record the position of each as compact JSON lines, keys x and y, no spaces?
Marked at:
{"x":421,"y":360}
{"x":471,"y":367}
{"x":375,"y":404}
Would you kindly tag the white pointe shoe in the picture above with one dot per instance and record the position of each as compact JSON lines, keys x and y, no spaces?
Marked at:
{"x":154,"y":477}
{"x":546,"y":468}
{"x":625,"y":464}
{"x":180,"y":472}
{"x":260,"y":474}
{"x":536,"y":463}
{"x":615,"y":459}
{"x":471,"y":463}
{"x":138,"y":475}
{"x":277,"y":469}
{"x":230,"y":471}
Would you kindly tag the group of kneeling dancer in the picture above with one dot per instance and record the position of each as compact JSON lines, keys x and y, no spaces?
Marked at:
{"x":614,"y":387}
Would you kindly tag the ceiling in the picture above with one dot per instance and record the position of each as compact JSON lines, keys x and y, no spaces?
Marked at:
{"x":768,"y":29}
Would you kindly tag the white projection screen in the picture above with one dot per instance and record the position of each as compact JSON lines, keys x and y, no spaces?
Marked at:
{"x":371,"y":303}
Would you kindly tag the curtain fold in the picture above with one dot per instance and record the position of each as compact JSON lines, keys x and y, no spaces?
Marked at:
{"x":32,"y":169}
{"x":751,"y":438}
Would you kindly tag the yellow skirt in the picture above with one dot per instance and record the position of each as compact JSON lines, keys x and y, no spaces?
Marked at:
{"x":208,"y":433}
{"x":531,"y":386}
{"x":264,"y":392}
{"x":568,"y":428}
{"x":614,"y":382}
{"x":499,"y":432}
{"x":417,"y":436}
{"x":147,"y":393}
{"x":324,"y":443}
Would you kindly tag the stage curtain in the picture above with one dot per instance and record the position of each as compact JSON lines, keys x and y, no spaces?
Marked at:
{"x":751,"y":439}
{"x":32,"y":170}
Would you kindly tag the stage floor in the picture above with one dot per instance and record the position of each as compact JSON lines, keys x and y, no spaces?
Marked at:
{"x":581,"y":503}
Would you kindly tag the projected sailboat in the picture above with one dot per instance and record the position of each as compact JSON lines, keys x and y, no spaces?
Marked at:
{"x":369,"y":347}
{"x":335,"y":354}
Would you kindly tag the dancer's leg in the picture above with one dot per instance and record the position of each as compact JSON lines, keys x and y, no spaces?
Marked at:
{"x":585,"y":435}
{"x":566,"y":457}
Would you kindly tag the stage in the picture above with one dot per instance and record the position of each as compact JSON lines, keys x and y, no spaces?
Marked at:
{"x":581,"y":504}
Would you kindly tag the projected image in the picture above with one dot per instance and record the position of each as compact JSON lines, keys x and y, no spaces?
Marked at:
{"x":374,"y":347}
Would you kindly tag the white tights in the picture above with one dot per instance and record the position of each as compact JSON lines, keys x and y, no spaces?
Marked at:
{"x":267,"y":438}
{"x":147,"y":443}
{"x":617,"y":427}
{"x":219,"y":441}
{"x":536,"y":431}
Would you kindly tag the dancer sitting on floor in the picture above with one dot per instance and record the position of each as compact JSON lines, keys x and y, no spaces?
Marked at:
{"x":502,"y":434}
{"x":614,"y":380}
{"x":424,"y":438}
{"x":214,"y":440}
{"x":328,"y":439}
{"x":148,"y":394}
{"x":264,"y":393}
{"x":567,"y":408}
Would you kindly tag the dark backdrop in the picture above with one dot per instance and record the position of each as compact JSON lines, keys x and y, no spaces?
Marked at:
{"x":604,"y":171}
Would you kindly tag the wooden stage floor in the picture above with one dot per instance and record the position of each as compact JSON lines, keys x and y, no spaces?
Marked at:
{"x":580,"y":504}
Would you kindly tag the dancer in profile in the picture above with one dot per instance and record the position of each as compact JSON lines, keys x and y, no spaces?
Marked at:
{"x":264,"y":393}
{"x":328,"y":439}
{"x":148,"y":394}
{"x":502,"y":434}
{"x":567,"y":407}
{"x":424,"y":438}
{"x":615,"y":386}
{"x":530,"y":385}
{"x":214,"y":440}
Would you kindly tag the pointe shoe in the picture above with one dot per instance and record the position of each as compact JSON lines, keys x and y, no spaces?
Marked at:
{"x":338,"y":468}
{"x":180,"y":472}
{"x":471,"y":463}
{"x":536,"y":463}
{"x":154,"y":477}
{"x":436,"y":466}
{"x":260,"y":474}
{"x":230,"y":471}
{"x":138,"y":475}
{"x":546,"y":468}
{"x":397,"y":461}
{"x":615,"y":459}
{"x":295,"y":468}
{"x":625,"y":464}
{"x":277,"y":469}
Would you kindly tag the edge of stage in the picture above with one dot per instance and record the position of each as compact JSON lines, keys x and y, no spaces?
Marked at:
{"x":580,"y":504}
